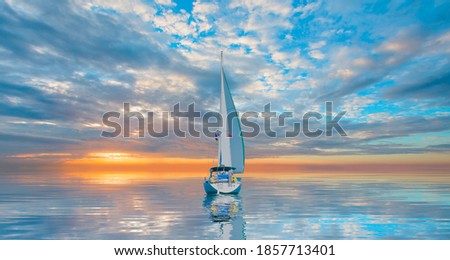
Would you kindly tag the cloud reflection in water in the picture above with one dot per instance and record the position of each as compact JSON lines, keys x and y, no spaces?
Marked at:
{"x":319,"y":206}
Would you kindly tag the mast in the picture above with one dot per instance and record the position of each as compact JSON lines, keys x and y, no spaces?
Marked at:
{"x":222,"y":100}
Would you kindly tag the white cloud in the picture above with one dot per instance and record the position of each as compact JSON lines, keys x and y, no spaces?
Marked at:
{"x":316,"y":54}
{"x":201,"y":11}
{"x":51,"y":86}
{"x":151,"y":80}
{"x":439,"y":44}
{"x":283,"y":8}
{"x":379,"y":117}
{"x":401,"y":47}
{"x":363,"y":62}
{"x":308,"y":9}
{"x":343,"y":74}
{"x":317,"y":45}
{"x":175,"y":23}
{"x":291,"y":60}
{"x":165,"y":2}
{"x":354,"y":105}
{"x":134,"y":7}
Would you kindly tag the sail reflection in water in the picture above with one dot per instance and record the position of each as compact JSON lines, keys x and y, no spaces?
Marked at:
{"x":226,"y":212}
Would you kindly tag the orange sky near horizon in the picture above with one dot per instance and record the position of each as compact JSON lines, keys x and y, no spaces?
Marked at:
{"x":121,"y":161}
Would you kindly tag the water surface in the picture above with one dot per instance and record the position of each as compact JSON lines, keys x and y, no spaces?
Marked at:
{"x":36,"y":205}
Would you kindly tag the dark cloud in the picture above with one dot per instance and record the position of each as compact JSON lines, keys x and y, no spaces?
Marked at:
{"x":440,"y":147}
{"x":436,"y":86}
{"x":32,"y":103}
{"x":363,"y":138}
{"x":26,"y":143}
{"x":400,"y":127}
{"x":35,"y":139}
{"x":351,"y":87}
{"x":76,"y":36}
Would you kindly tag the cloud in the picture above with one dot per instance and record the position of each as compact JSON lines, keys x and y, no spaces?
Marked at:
{"x":31,"y":103}
{"x":434,"y":86}
{"x":130,"y":7}
{"x":307,"y":9}
{"x":399,"y":127}
{"x":165,"y":2}
{"x":67,"y":63}
{"x":317,"y":45}
{"x":440,"y":147}
{"x":26,"y":143}
{"x":316,"y":54}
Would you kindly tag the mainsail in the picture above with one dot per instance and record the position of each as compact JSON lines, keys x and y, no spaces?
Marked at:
{"x":231,"y":143}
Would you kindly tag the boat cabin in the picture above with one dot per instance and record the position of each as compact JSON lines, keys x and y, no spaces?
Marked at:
{"x":221,"y":174}
{"x":221,"y":169}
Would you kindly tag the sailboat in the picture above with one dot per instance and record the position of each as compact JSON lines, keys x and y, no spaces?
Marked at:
{"x":231,"y":154}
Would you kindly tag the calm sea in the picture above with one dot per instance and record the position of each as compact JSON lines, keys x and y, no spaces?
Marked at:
{"x":135,"y":206}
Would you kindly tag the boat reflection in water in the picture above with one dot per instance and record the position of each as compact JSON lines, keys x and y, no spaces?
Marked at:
{"x":226,"y":212}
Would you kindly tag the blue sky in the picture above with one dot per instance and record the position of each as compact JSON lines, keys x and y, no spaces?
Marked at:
{"x":65,"y":63}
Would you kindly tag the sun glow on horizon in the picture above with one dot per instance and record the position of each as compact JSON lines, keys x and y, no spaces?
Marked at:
{"x":115,"y":156}
{"x":132,"y":158}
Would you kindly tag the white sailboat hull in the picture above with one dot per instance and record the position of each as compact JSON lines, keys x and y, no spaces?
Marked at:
{"x":222,"y":187}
